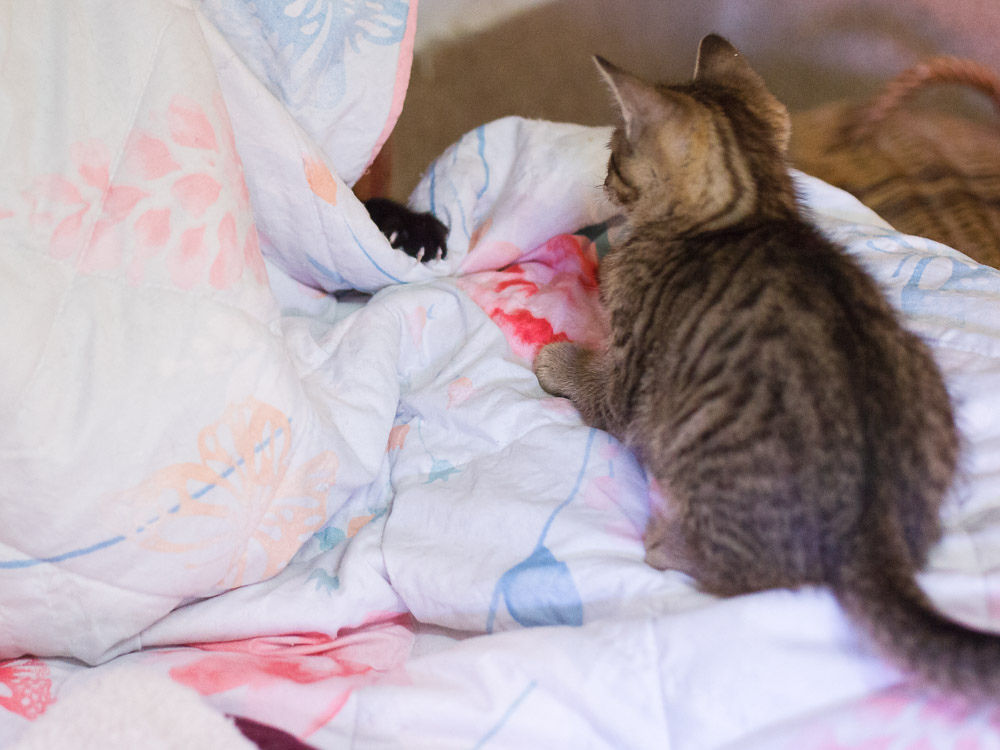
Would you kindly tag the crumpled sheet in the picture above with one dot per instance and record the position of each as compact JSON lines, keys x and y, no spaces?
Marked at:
{"x":485,"y":587}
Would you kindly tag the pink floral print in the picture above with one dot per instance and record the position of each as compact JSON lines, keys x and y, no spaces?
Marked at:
{"x":175,"y":196}
{"x":550,"y":295}
{"x":25,"y":687}
{"x":267,"y":667}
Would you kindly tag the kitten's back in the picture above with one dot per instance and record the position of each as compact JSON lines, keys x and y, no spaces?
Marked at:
{"x":783,"y":372}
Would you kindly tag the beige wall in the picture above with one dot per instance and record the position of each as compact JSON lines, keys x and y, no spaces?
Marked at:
{"x":538,"y":64}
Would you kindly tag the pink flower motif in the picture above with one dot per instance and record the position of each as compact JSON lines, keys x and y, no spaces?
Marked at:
{"x":120,"y":200}
{"x":271,"y":666}
{"x":150,"y":158}
{"x":92,"y":163}
{"x":459,"y":390}
{"x":189,"y":126}
{"x":196,"y":193}
{"x":188,"y":258}
{"x":25,"y":687}
{"x":550,"y":295}
{"x":152,"y":229}
{"x":183,"y":175}
{"x":66,"y":236}
{"x":64,"y":202}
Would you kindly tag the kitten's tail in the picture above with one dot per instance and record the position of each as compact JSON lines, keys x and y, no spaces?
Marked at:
{"x":880,"y":594}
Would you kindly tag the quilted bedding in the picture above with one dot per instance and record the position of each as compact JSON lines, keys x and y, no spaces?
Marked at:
{"x":359,"y":518}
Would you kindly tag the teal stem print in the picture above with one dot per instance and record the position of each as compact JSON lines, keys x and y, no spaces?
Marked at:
{"x":539,"y":590}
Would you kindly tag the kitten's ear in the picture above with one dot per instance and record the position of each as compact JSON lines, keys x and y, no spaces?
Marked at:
{"x":720,"y":62}
{"x":639,"y":103}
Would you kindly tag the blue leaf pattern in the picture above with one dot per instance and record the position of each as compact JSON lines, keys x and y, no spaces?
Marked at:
{"x":441,"y":469}
{"x":329,"y":538}
{"x":947,"y":297}
{"x":324,"y":581}
{"x":540,"y":590}
{"x":297,"y":47}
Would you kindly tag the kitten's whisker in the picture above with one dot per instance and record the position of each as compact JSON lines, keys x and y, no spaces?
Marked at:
{"x":392,"y":238}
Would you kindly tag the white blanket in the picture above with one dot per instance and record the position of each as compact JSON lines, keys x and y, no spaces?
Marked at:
{"x":387,"y":534}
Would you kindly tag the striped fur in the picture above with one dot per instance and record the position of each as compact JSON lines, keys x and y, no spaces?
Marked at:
{"x":799,"y":432}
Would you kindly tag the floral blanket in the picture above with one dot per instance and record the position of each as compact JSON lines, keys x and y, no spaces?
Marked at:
{"x":359,"y":518}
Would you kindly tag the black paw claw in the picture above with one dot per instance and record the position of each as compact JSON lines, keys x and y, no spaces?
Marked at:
{"x":419,"y":235}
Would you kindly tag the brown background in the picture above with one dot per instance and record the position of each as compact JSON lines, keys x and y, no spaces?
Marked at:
{"x":537,"y":64}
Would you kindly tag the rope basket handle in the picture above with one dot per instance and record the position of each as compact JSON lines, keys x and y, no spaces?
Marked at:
{"x":942,"y":69}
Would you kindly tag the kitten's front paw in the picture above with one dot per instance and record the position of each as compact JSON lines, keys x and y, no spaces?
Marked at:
{"x":555,"y":366}
{"x":419,"y":235}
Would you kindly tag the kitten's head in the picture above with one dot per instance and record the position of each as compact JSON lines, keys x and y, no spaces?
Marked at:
{"x":703,"y":155}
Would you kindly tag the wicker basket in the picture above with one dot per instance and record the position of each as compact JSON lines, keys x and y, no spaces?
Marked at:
{"x":924,"y":171}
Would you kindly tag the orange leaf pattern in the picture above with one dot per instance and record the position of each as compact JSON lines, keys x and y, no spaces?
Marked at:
{"x":243,"y":500}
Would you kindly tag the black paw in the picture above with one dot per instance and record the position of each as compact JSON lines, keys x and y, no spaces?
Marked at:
{"x":419,"y":235}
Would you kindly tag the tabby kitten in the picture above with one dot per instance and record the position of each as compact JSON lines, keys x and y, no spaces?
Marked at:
{"x":800,"y":434}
